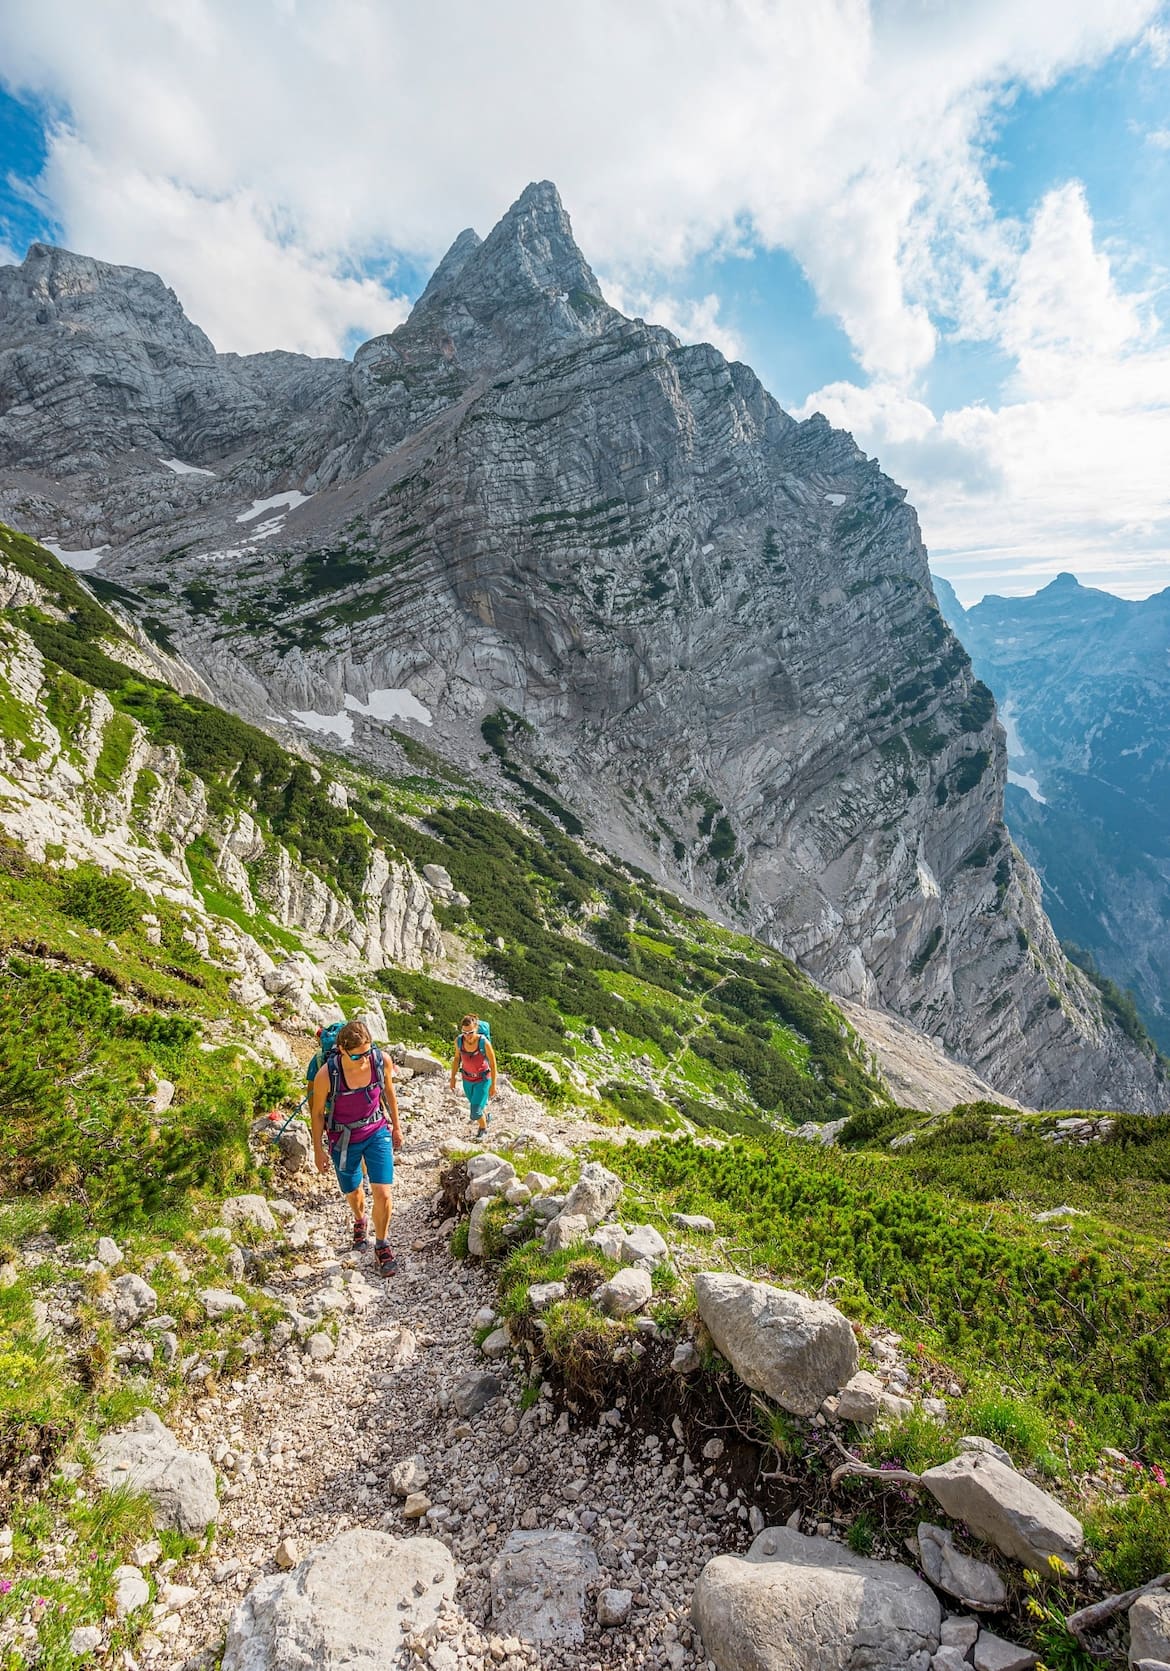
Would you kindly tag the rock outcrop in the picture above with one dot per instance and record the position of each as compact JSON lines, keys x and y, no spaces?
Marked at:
{"x":794,"y":1602}
{"x":793,"y":1349}
{"x":712,"y":626}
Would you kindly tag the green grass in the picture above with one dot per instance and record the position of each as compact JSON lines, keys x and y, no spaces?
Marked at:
{"x":1063,"y":1321}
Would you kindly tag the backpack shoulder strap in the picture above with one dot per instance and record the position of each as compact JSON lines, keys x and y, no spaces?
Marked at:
{"x":333,"y":1066}
{"x":378,"y":1069}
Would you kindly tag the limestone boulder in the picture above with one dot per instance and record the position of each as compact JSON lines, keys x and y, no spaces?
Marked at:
{"x":1149,"y":1627}
{"x":626,"y":1292}
{"x":1005,"y":1508}
{"x":539,"y":1581}
{"x":974,"y":1583}
{"x":353,"y":1602}
{"x":806,"y":1604}
{"x":794,"y":1350}
{"x":145,"y":1456}
{"x":595,"y":1194}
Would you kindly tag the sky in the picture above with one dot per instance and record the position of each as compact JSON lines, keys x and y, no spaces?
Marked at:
{"x":943,"y":223}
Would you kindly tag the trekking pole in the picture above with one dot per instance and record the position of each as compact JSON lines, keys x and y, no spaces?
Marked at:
{"x":277,"y":1135}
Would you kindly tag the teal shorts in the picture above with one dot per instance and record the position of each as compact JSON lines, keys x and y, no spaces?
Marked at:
{"x":476,"y":1091}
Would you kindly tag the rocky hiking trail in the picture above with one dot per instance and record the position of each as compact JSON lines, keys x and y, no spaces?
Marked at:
{"x":404,"y":1417}
{"x":388,"y":1482}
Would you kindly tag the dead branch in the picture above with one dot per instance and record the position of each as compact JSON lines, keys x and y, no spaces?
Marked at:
{"x":862,"y":1470}
{"x":1091,"y":1618}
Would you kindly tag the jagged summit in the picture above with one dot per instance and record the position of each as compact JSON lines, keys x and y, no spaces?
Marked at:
{"x":446,"y":275}
{"x":512,"y":297}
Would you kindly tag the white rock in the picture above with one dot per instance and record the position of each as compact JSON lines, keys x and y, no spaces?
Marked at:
{"x":247,"y":1209}
{"x":162,"y":1096}
{"x":992,"y":1653}
{"x":644,"y":1245}
{"x":686,"y":1359}
{"x":145,"y":1456}
{"x":416,"y":1505}
{"x":108,"y":1251}
{"x":609,"y":1239}
{"x":497,"y":1344}
{"x":1007,"y":1509}
{"x":517,"y":1195}
{"x":538,"y":1182}
{"x":86,"y":1639}
{"x":894,"y":1407}
{"x":626,"y":1292}
{"x":697,"y":1223}
{"x":130,"y":1299}
{"x":538,"y":1581}
{"x":424,"y":1065}
{"x":974,"y":1583}
{"x":595,"y":1194}
{"x":543,"y":1294}
{"x":1149,"y":1627}
{"x":287,"y":1554}
{"x":958,"y":1631}
{"x":793,"y":1349}
{"x":566,"y":1230}
{"x":220,"y":1302}
{"x":130,"y":1590}
{"x":346,"y":1604}
{"x":795,"y":1603}
{"x":860,"y":1399}
{"x":974,"y":1442}
{"x":476,"y":1242}
{"x":407,"y":1475}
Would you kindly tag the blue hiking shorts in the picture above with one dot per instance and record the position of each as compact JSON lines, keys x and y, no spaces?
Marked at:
{"x":476,"y":1092}
{"x":378,"y":1153}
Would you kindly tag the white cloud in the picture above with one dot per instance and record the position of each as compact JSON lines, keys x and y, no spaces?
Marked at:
{"x":1069,"y":470}
{"x":1159,"y":138}
{"x":1156,"y":41}
{"x":691,"y":320}
{"x":336,"y":131}
{"x":242,"y":278}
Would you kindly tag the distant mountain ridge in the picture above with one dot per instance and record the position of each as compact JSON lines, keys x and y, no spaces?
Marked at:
{"x":1085,"y":679}
{"x":704,"y":630}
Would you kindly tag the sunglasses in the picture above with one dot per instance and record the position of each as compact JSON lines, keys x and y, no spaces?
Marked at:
{"x":360,"y":1057}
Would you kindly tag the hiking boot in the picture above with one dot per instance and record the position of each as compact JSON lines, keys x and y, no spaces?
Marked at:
{"x":361,"y":1232}
{"x":384,"y":1261}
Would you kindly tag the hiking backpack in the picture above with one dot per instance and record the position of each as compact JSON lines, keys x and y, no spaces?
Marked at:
{"x":483,"y":1039}
{"x":326,"y":1045}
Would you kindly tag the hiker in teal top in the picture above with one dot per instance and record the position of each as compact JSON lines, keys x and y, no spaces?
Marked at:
{"x":475,"y":1062}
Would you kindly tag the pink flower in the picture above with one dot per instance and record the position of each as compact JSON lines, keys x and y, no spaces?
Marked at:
{"x":1159,"y":1476}
{"x":5,"y":1586}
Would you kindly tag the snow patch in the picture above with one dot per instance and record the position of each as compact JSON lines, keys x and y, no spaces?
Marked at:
{"x":83,"y":560}
{"x":391,"y":704}
{"x":181,"y":469}
{"x":289,"y":501}
{"x":381,"y":704}
{"x":837,"y":499}
{"x":326,"y":725}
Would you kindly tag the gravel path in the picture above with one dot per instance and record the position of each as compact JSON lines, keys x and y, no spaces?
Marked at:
{"x":309,"y":1443}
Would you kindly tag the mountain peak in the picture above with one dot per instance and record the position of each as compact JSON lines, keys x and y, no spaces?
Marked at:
{"x":446,"y":275}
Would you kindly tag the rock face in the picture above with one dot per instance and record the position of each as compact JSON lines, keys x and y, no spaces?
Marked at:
{"x":794,"y":1350}
{"x":145,"y":1456}
{"x":345,"y":1605}
{"x":623,"y":540}
{"x":1005,"y":1508}
{"x":795,"y":1603}
{"x":54,"y":795}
